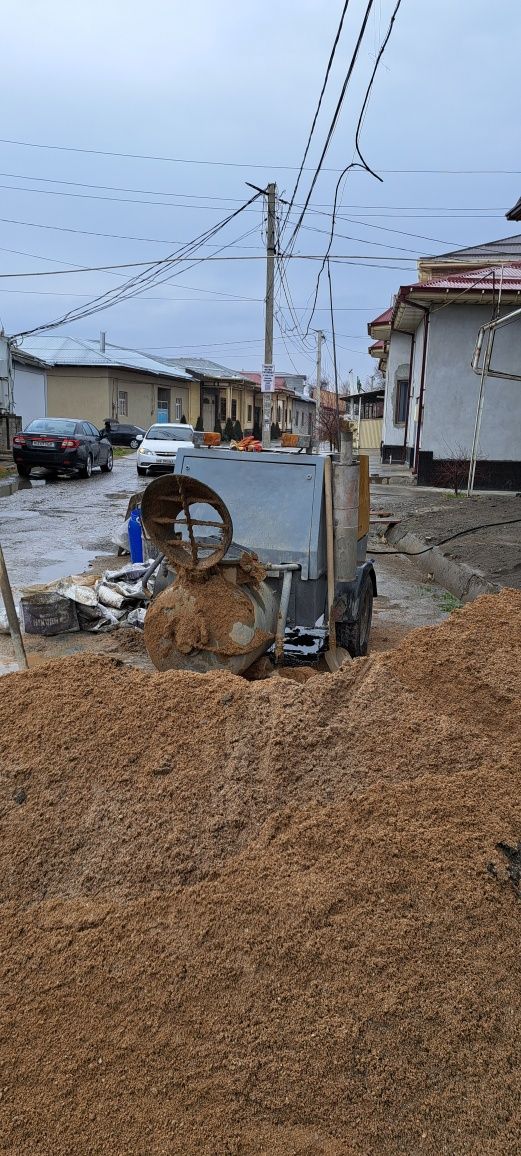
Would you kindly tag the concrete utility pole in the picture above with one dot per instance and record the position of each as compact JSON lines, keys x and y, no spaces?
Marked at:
{"x":320,"y":338}
{"x":268,"y":327}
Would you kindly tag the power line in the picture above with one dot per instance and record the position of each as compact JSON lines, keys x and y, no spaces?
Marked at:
{"x":501,"y":209}
{"x":149,"y":276}
{"x":332,"y":126}
{"x":353,"y":164}
{"x":91,"y":233}
{"x":242,"y":164}
{"x":317,"y":110}
{"x":111,"y":200}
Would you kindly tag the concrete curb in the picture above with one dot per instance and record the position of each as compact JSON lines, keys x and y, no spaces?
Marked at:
{"x":461,"y":580}
{"x":8,"y":486}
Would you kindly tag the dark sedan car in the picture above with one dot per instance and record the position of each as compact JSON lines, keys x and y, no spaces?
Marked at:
{"x":62,"y":445}
{"x":122,"y":434}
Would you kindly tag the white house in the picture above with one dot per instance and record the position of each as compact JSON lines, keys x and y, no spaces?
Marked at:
{"x":431,"y":390}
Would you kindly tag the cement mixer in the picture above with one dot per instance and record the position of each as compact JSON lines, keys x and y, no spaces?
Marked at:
{"x":262,"y":554}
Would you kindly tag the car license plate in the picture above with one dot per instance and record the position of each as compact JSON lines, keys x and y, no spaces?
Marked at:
{"x":43,"y":444}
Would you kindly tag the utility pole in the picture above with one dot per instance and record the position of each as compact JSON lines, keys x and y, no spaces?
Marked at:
{"x":268,"y":321}
{"x":320,"y":338}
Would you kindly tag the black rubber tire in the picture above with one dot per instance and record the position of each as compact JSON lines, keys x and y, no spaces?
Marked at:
{"x":354,"y":636}
{"x":86,"y":470}
{"x":23,"y":471}
{"x":141,"y":472}
{"x":107,"y":468}
{"x":134,"y":444}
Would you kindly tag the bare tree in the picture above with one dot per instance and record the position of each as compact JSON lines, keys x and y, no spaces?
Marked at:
{"x":453,"y":470}
{"x":328,"y":430}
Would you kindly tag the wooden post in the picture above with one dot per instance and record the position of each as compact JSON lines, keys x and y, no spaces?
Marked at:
{"x":12,"y":617}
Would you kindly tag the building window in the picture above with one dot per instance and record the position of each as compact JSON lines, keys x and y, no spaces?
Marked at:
{"x":234,"y":410}
{"x":178,"y":408}
{"x":123,"y":403}
{"x":249,"y":413}
{"x":400,"y":402}
{"x":302,"y":418}
{"x":289,"y":417}
{"x":222,"y":408}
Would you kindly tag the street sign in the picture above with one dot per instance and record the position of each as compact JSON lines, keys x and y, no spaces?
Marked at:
{"x":268,"y":378}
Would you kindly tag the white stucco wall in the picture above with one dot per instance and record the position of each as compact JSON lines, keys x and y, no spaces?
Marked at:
{"x":30,"y":393}
{"x":397,"y":367}
{"x":451,"y":387}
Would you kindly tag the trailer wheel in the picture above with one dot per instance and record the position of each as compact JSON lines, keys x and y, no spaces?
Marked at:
{"x":354,"y":636}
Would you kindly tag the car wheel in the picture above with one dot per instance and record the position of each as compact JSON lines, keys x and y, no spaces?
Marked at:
{"x":134,"y":444}
{"x":354,"y":636}
{"x":141,"y":471}
{"x":24,"y":471}
{"x":86,"y":470}
{"x":108,"y":464}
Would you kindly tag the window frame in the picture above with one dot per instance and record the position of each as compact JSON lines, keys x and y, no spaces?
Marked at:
{"x":401,"y":401}
{"x":122,"y":401}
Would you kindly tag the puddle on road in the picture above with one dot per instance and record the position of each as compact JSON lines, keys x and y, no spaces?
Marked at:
{"x":75,"y":562}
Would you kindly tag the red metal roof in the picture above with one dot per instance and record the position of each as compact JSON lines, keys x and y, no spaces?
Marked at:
{"x":479,"y":280}
{"x":383,"y":319}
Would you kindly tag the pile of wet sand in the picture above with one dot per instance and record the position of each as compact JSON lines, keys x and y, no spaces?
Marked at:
{"x":265,"y":917}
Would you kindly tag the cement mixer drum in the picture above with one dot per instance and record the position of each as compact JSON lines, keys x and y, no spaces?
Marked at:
{"x":187,"y":521}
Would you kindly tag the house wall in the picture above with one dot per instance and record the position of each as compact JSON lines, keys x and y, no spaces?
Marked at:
{"x":393,"y":435}
{"x":302,"y":411}
{"x":452,"y":388}
{"x":30,"y":393}
{"x":78,"y":391}
{"x":142,"y":396}
{"x":92,"y":393}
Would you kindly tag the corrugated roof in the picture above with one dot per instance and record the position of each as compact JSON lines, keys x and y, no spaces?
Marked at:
{"x":54,"y":350}
{"x":471,"y":285}
{"x":515,"y":213}
{"x":478,"y":279}
{"x":201,"y":365}
{"x":504,"y":247}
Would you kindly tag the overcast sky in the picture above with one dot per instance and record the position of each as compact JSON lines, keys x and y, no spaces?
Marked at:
{"x":236,"y":83}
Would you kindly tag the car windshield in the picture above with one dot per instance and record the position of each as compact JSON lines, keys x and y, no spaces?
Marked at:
{"x":54,"y":425}
{"x":170,"y":433}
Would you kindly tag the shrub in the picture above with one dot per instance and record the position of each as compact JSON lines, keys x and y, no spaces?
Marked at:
{"x":237,"y":431}
{"x":199,"y":423}
{"x":228,"y":430}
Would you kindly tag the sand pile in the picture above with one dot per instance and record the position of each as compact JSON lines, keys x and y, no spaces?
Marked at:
{"x":265,"y":917}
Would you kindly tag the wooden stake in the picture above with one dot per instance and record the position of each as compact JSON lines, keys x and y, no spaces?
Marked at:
{"x":12,"y":617}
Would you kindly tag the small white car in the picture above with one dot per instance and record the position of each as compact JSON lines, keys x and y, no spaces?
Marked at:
{"x":158,"y":450}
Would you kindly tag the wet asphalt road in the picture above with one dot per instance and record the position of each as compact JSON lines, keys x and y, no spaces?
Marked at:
{"x":51,"y":528}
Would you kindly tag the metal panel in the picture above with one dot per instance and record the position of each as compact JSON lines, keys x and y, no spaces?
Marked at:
{"x":274,"y":499}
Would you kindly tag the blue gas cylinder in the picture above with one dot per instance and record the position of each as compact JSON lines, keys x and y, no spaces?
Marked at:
{"x":135,"y":536}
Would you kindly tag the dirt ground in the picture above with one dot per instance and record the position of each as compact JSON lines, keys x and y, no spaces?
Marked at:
{"x":242,"y":919}
{"x":494,"y":554}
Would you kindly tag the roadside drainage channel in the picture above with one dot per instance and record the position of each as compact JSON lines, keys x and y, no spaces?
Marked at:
{"x":464,"y":582}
